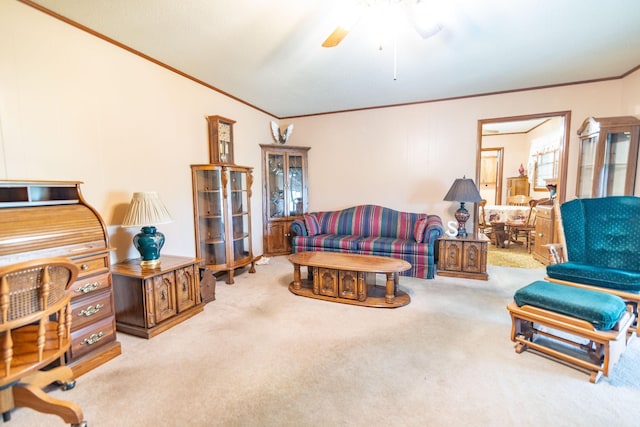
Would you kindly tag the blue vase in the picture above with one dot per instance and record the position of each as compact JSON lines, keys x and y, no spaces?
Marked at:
{"x":149,"y":242}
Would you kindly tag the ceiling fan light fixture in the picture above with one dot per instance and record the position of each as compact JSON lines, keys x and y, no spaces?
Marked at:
{"x":425,"y":18}
{"x":383,"y":19}
{"x":347,"y":18}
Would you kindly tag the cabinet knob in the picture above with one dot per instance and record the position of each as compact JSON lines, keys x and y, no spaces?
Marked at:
{"x":89,"y":287}
{"x":540,"y":234}
{"x":93,"y":338}
{"x":91,"y":310}
{"x":84,"y":267}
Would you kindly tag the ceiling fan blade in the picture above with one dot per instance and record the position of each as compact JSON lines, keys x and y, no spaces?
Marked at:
{"x":335,"y":37}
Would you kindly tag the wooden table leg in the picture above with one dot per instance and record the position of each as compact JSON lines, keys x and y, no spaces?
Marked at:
{"x":396,"y":280}
{"x":390,"y":296}
{"x":297,"y":284}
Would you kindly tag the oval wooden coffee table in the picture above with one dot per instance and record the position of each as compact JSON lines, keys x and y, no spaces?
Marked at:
{"x":349,"y":278}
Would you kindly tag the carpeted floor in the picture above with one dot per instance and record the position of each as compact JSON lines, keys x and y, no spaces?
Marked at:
{"x":260,"y":356}
{"x":512,"y":256}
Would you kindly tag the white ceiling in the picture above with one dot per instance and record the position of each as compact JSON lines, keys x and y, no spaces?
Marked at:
{"x":269,"y":55}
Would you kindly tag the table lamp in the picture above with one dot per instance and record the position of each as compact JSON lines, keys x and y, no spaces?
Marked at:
{"x":147,"y":210}
{"x":463,"y":190}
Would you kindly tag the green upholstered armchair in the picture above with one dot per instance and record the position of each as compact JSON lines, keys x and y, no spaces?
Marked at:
{"x":601,"y":246}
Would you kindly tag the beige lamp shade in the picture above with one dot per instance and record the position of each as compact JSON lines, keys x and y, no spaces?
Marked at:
{"x":145,"y":210}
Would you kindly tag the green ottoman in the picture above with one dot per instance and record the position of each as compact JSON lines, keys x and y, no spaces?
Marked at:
{"x":543,"y":309}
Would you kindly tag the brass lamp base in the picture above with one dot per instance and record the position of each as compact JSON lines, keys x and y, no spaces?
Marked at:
{"x":153,"y":263}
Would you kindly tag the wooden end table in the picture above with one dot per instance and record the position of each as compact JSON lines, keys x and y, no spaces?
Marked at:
{"x":349,"y":278}
{"x":463,"y":257}
{"x":151,"y":300}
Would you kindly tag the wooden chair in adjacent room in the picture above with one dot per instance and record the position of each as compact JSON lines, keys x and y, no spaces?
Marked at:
{"x":35,"y":332}
{"x":526,"y":228}
{"x":519,"y":200}
{"x":483,"y":226}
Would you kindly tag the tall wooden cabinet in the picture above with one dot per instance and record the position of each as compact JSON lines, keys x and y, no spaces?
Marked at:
{"x":607,"y":161}
{"x":222,"y":216}
{"x":518,"y":186}
{"x":44,"y":219}
{"x":285,"y":194}
{"x":545,"y":233}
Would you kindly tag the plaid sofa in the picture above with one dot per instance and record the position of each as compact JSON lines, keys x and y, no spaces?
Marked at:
{"x":372,"y":230}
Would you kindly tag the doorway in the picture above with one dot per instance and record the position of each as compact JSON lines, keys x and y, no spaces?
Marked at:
{"x":526,"y":140}
{"x":491,"y":169}
{"x":527,"y":152}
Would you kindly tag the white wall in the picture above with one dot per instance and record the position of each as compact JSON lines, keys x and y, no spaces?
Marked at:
{"x":407,"y":157}
{"x":75,"y":107}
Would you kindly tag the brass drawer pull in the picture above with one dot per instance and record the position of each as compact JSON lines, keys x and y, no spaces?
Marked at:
{"x":84,"y":267}
{"x":93,"y":338}
{"x":89,"y":287}
{"x":91,"y":310}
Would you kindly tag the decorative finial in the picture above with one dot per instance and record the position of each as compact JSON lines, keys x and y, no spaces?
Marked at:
{"x":281,"y":138}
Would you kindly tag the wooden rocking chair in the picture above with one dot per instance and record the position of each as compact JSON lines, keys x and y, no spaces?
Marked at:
{"x":35,"y":331}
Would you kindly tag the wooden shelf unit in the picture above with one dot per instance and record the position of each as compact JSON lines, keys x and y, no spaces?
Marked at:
{"x":222,"y":217}
{"x":608,"y":157}
{"x":284,"y":194}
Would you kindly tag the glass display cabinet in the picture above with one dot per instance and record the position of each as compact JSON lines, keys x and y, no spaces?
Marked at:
{"x":285,"y":194}
{"x":222,"y":216}
{"x":608,"y":156}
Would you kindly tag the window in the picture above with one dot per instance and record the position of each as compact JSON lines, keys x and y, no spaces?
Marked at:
{"x":546,"y":168}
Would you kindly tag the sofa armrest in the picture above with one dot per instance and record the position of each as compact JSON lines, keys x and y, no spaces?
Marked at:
{"x":298,"y":228}
{"x":434,"y":230}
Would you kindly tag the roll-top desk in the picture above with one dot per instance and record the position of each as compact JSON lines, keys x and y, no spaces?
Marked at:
{"x":46,"y":219}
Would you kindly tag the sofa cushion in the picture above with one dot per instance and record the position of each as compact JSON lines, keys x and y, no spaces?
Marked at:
{"x":328,"y":241}
{"x":389,"y":245}
{"x":601,"y":310}
{"x":312,"y":225}
{"x":418,"y":229}
{"x":369,"y":220}
{"x":605,"y":277}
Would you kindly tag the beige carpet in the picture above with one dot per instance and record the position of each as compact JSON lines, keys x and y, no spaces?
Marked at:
{"x":513,"y":255}
{"x":261,"y":356}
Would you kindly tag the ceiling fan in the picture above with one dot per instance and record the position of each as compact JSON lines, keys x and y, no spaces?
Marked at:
{"x":421,"y":14}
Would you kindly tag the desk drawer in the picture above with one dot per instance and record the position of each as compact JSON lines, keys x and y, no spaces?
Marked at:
{"x":91,"y":309}
{"x":91,"y":284}
{"x":93,"y":336}
{"x":90,"y":265}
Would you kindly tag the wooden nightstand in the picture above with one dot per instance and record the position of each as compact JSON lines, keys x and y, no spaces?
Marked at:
{"x":150,"y":301}
{"x":463,"y":257}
